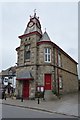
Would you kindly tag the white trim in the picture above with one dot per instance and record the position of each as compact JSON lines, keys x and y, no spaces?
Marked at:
{"x":60,"y":82}
{"x":47,"y":54}
{"x":59,"y":59}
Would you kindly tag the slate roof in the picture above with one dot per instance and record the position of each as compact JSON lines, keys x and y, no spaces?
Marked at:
{"x":45,"y":37}
{"x":6,"y":72}
{"x":24,"y":74}
{"x":36,"y":21}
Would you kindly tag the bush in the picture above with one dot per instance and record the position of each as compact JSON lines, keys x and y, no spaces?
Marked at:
{"x":54,"y":92}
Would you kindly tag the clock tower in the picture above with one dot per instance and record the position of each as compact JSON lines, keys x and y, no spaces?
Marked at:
{"x":28,"y":56}
{"x":29,"y":39}
{"x":33,"y":25}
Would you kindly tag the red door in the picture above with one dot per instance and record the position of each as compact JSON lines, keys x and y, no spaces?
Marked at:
{"x":47,"y":80}
{"x":26,"y":89}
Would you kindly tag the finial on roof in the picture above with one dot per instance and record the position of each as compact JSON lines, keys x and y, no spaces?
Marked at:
{"x":45,"y":29}
{"x":45,"y":37}
{"x":34,"y":12}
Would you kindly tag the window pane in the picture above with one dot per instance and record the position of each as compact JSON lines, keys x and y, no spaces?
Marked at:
{"x":47,"y":53}
{"x":45,"y":50}
{"x":48,"y":50}
{"x":59,"y":60}
{"x":27,"y":54}
{"x":45,"y":57}
{"x":48,"y":58}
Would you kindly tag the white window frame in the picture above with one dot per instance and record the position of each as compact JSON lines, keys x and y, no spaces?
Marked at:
{"x":59,"y":59}
{"x":47,"y":54}
{"x":60,"y":82}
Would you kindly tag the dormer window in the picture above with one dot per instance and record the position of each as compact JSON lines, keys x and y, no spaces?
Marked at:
{"x":47,"y":55}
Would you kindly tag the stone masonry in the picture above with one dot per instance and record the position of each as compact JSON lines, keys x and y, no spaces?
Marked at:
{"x":58,"y":74}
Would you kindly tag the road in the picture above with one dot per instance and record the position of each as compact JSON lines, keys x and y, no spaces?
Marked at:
{"x":19,"y":112}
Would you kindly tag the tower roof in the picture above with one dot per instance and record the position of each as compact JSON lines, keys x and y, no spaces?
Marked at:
{"x":45,"y":37}
{"x":33,"y":25}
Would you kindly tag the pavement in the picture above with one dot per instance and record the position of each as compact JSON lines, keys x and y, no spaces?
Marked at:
{"x":67,"y":105}
{"x":0,"y":109}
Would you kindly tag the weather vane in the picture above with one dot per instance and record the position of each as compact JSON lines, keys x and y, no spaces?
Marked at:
{"x":34,"y":12}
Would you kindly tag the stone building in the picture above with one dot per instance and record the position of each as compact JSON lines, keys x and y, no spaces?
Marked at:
{"x":8,"y":76}
{"x":8,"y":80}
{"x":41,"y":62}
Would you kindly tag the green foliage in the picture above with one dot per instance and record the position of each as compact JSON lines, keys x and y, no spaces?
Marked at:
{"x":54,"y":92}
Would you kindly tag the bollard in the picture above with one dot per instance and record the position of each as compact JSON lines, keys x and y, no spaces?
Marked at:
{"x":38,"y":100}
{"x":43,"y":98}
{"x":22,"y":99}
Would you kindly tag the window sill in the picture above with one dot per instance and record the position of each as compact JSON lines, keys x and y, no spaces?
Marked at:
{"x":27,"y":60}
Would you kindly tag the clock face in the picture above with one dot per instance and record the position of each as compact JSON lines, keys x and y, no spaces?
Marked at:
{"x":31,"y":24}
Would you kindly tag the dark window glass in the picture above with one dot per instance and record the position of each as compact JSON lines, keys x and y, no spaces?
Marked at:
{"x":48,"y":57}
{"x":45,"y":57}
{"x":48,"y":50}
{"x":45,"y":50}
{"x":27,"y":54}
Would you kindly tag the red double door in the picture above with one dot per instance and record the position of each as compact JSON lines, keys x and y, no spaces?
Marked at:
{"x":25,"y":89}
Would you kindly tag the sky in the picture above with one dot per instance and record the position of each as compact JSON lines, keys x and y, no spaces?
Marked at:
{"x":59,"y":18}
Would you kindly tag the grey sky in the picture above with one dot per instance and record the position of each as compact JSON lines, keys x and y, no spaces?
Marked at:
{"x":59,"y":18}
